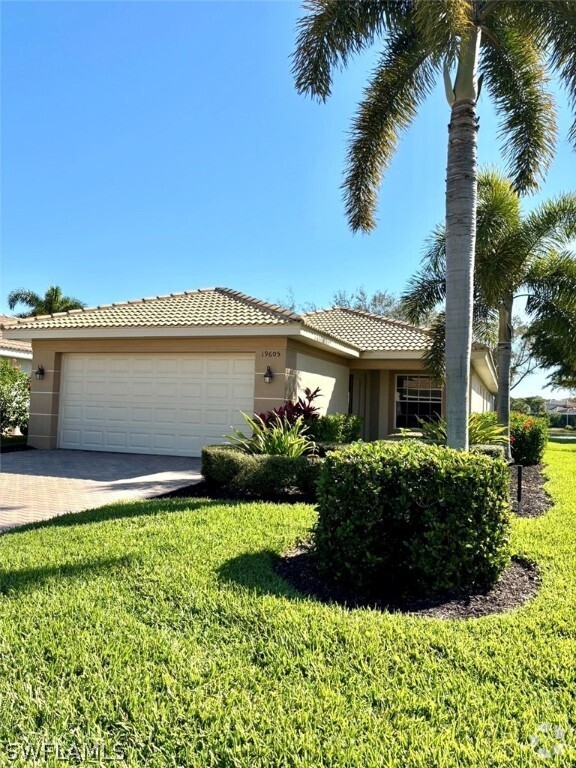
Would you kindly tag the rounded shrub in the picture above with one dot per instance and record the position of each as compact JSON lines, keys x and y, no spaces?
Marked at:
{"x":528,"y":438}
{"x":405,"y":518}
{"x":259,"y":476}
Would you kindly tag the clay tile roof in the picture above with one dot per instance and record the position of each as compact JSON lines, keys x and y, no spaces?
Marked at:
{"x":368,"y":332}
{"x":12,"y":345}
{"x":203,"y":307}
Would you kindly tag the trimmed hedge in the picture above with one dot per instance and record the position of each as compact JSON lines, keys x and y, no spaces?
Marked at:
{"x":411,"y":519}
{"x":528,"y":438}
{"x":258,"y":476}
{"x":495,"y":451}
{"x":335,"y":428}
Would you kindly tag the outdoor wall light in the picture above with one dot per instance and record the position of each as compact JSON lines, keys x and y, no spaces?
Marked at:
{"x":268,"y":376}
{"x":39,"y":372}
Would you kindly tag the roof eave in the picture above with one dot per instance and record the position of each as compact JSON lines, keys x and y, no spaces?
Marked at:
{"x":483,"y":363}
{"x":115,"y":332}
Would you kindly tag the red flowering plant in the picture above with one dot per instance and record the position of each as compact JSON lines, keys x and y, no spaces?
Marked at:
{"x":292,"y":410}
{"x":528,"y":438}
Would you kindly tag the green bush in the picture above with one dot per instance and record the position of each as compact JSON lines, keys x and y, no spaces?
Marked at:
{"x":407,"y":518}
{"x":336,"y":428}
{"x":483,"y":429}
{"x":495,"y":451}
{"x":14,"y":396}
{"x":323,"y":448}
{"x":528,"y":438}
{"x":259,"y":476}
{"x":275,"y":436}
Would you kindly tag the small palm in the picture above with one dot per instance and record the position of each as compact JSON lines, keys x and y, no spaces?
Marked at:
{"x":53,"y":301}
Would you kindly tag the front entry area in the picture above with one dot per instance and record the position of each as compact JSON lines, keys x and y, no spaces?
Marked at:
{"x":171,"y":404}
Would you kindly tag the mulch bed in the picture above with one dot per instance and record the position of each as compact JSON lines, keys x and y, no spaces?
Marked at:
{"x":535,"y":500}
{"x":14,"y":448}
{"x":518,"y":584}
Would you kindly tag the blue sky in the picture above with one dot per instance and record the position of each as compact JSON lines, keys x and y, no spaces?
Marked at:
{"x":152,"y":147}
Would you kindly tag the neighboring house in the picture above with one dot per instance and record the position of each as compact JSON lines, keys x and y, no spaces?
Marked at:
{"x":19,"y":351}
{"x":565,"y":408}
{"x":171,"y":374}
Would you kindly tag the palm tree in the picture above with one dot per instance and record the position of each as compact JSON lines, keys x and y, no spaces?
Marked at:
{"x":515,"y":256}
{"x":552,"y":342}
{"x":52,"y":301}
{"x":511,"y":46}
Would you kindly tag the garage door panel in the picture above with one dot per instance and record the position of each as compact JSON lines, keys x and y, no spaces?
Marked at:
{"x":161,"y":403}
{"x":141,"y":415}
{"x":95,"y":365}
{"x":188,"y":416}
{"x":93,"y":438}
{"x":115,"y":440}
{"x":143,"y":388}
{"x":94,"y":413}
{"x":72,"y":387}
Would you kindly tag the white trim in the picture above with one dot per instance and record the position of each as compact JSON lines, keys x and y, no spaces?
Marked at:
{"x":155,"y":332}
{"x":481,"y":361}
{"x":422,"y":374}
{"x":4,"y":352}
{"x":385,"y":354}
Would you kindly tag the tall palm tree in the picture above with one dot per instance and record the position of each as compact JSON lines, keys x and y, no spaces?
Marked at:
{"x":515,"y":256}
{"x":509,"y":45}
{"x":52,"y":301}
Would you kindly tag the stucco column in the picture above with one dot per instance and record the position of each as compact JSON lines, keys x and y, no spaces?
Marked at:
{"x":44,"y":400}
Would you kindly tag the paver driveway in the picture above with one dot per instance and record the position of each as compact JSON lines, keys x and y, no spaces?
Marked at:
{"x":37,"y":485}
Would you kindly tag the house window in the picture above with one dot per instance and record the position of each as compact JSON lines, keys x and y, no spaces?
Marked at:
{"x":417,"y":397}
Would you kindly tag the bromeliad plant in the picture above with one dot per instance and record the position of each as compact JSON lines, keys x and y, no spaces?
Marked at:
{"x":290,"y":411}
{"x":275,"y":437}
{"x":483,"y":429}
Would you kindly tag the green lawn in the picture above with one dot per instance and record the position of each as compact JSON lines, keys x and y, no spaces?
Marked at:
{"x":161,"y":627}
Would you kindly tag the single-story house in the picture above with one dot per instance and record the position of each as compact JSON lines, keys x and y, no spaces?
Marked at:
{"x":172,"y":373}
{"x":14,"y":349}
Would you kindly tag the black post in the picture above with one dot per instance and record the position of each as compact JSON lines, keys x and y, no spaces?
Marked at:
{"x":519,"y":491}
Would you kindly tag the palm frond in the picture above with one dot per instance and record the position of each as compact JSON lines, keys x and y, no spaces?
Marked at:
{"x":441,"y":25}
{"x":331,"y":32}
{"x":515,"y":75}
{"x":552,"y":284}
{"x":405,"y":75}
{"x":498,"y":215}
{"x":434,"y":356}
{"x":551,"y":225}
{"x":26,"y":297}
{"x":553,"y":25}
{"x":422,"y":295}
{"x":551,"y":337}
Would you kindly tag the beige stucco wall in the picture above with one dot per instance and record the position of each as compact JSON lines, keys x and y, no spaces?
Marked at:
{"x":45,"y":394}
{"x":480,"y":398}
{"x":331,"y":377}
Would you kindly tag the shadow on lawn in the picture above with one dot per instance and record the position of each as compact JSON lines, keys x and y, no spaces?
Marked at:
{"x":119,"y":511}
{"x":13,"y":582}
{"x":256,"y":571}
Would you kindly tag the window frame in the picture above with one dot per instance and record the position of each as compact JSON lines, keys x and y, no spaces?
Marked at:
{"x":430,"y":400}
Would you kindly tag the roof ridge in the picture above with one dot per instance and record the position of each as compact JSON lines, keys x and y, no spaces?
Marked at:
{"x":276,"y":308}
{"x":98,"y":307}
{"x":375,"y":316}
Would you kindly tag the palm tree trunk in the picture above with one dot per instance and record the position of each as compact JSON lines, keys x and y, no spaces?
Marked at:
{"x":504,"y":363}
{"x":461,"y":186}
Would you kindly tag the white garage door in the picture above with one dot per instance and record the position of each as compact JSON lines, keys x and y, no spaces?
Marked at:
{"x":153,"y":403}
